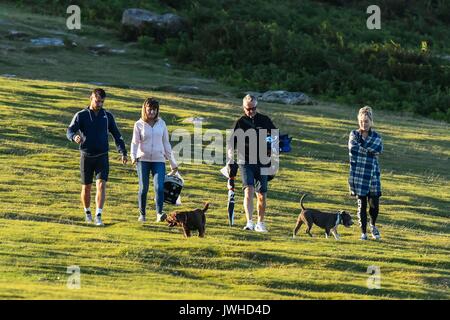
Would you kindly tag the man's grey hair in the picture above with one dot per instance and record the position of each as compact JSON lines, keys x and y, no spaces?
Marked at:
{"x":249,"y":98}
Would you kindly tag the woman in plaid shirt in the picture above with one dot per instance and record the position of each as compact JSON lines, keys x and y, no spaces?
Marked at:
{"x":364,"y":146}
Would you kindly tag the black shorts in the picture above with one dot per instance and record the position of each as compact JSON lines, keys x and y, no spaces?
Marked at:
{"x":90,"y":165}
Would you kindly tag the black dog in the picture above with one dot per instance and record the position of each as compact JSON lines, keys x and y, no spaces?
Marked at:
{"x":327,"y":221}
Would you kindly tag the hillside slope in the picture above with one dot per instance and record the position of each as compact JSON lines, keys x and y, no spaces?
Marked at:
{"x":41,"y":223}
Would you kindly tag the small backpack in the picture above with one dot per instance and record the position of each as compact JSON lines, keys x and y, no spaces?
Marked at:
{"x":285,"y":143}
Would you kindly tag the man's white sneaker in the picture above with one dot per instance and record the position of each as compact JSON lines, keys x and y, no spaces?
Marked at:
{"x":142,"y":218}
{"x":363,"y":236}
{"x":249,"y":226}
{"x":260,"y":227}
{"x":88,"y":217}
{"x":98,"y":220}
{"x":375,"y":232}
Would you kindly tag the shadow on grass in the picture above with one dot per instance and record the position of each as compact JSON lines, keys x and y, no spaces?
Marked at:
{"x":349,"y":289}
{"x":51,"y":219}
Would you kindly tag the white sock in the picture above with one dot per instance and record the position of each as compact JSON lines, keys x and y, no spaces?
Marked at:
{"x":98,"y":212}
{"x":87,"y":209}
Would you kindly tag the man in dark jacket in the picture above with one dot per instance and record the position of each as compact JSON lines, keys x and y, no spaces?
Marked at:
{"x":251,"y":133}
{"x":90,"y":129}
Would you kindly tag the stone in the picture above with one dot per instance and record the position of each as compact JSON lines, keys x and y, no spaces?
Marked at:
{"x":47,"y":42}
{"x":170,"y":24}
{"x":101,"y":49}
{"x":16,"y":35}
{"x":284,"y":97}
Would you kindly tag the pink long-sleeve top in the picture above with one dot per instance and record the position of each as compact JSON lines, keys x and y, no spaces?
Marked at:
{"x":152,"y":143}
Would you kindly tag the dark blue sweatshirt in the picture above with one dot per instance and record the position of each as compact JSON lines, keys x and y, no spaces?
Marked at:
{"x":94,"y":131}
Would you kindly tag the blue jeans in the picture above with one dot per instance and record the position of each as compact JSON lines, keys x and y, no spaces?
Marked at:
{"x":158,"y":170}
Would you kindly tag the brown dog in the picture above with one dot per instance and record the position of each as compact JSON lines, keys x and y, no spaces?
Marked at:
{"x":189,"y":220}
{"x":327,"y":221}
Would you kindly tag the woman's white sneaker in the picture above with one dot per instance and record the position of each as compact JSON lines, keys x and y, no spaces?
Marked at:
{"x":260,"y":227}
{"x":375,"y":233}
{"x":249,"y":226}
{"x":363,"y":236}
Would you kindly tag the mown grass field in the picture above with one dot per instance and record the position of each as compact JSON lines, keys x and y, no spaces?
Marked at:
{"x":42,"y":229}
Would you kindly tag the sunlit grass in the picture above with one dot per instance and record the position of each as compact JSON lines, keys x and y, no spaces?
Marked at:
{"x":41,"y":221}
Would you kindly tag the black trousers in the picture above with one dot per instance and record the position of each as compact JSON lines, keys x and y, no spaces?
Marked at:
{"x":374,"y":202}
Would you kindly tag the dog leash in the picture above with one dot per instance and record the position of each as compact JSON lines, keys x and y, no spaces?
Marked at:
{"x":338,"y":220}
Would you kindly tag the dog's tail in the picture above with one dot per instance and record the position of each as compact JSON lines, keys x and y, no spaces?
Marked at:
{"x":301,"y":201}
{"x":206,"y":207}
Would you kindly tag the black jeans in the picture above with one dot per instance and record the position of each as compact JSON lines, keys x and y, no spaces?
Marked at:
{"x":374,"y":202}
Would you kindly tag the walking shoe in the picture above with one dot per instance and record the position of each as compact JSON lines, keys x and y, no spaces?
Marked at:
{"x":161,"y":217}
{"x":142,"y":218}
{"x":249,"y":226}
{"x":88,"y":217}
{"x":260,"y":227}
{"x":98,"y":220}
{"x":363,"y":236}
{"x":375,"y":232}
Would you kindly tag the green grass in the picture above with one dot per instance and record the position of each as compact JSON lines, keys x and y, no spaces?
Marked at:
{"x":41,"y":221}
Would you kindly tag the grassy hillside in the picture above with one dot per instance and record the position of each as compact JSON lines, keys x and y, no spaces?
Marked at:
{"x":321,"y":47}
{"x":42,"y":231}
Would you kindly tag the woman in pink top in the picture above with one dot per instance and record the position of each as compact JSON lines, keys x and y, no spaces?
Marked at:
{"x":150,"y":147}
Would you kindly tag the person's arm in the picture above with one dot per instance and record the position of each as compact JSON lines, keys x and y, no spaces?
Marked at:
{"x":374,"y":145}
{"x":354,"y":143}
{"x":73,"y":128}
{"x":231,"y":145}
{"x":120,"y":143}
{"x":135,"y":141}
{"x":168,"y":150}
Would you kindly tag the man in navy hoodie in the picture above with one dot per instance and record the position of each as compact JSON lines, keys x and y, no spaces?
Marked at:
{"x":90,"y":129}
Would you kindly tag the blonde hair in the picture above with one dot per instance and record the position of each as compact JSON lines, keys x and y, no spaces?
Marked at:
{"x":366,"y":111}
{"x":249,"y":98}
{"x":152,"y":103}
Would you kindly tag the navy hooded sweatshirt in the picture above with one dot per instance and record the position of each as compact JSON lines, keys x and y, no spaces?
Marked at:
{"x":94,"y":131}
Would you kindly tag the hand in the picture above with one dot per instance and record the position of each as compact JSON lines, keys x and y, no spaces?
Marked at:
{"x":133,"y":161}
{"x":77,"y":139}
{"x":174,"y":170}
{"x":124,"y":159}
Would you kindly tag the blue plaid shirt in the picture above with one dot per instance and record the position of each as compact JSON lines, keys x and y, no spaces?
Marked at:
{"x":364,"y":168}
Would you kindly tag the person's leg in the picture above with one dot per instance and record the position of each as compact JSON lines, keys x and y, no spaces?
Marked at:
{"x":102,"y":172}
{"x":101,"y":194}
{"x":248,"y":184}
{"x":261,"y":192}
{"x":143,"y":170}
{"x":374,"y":202}
{"x":86,"y":175}
{"x":86,"y":195}
{"x":373,"y":211}
{"x":248,"y":202}
{"x":159,"y":173}
{"x":362,"y":213}
{"x":261,"y":204}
